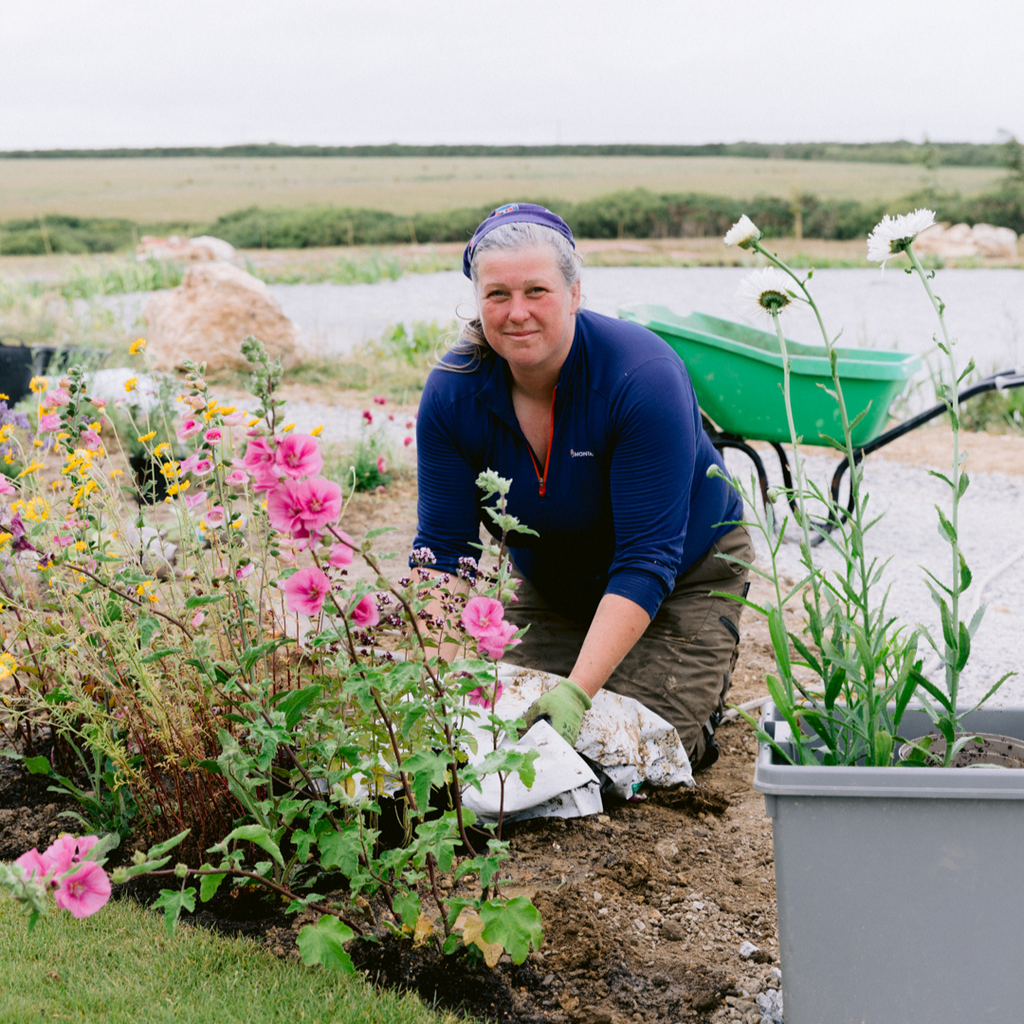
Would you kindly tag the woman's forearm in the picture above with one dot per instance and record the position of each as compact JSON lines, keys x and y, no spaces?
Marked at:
{"x":617,"y":625}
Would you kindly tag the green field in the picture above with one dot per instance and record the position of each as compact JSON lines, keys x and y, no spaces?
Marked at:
{"x":201,"y":189}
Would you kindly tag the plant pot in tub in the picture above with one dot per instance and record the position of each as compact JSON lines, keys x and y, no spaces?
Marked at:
{"x":900,"y":892}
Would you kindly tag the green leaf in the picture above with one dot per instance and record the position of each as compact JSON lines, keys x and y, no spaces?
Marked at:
{"x":780,"y":640}
{"x":201,"y":599}
{"x":295,"y":702}
{"x":407,"y":906}
{"x":163,"y":652}
{"x":254,"y":654}
{"x":965,"y":574}
{"x":148,"y":626}
{"x":166,"y":846}
{"x":323,"y":943}
{"x":37,"y":765}
{"x":946,"y":530}
{"x":340,"y":850}
{"x":515,"y":923}
{"x":258,"y":834}
{"x":173,"y":902}
{"x":425,"y":769}
{"x":209,"y":884}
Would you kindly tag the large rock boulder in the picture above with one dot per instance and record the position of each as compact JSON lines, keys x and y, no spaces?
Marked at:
{"x":216,"y":307}
{"x":964,"y":240}
{"x":174,"y":247}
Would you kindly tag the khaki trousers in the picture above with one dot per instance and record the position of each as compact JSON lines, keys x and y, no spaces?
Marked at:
{"x":682,"y":665}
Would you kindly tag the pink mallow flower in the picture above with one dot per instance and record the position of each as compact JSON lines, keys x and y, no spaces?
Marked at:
{"x":299,"y":455}
{"x":189,"y":428}
{"x":244,"y":570}
{"x":342,"y":552}
{"x":197,"y":620}
{"x":260,"y":456}
{"x":481,"y":696}
{"x":368,"y":416}
{"x":236,"y":478}
{"x":407,"y":442}
{"x":213,"y":435}
{"x":365,"y":613}
{"x":34,"y":864}
{"x":6,"y":487}
{"x":235,"y":419}
{"x":285,"y":506}
{"x":379,"y":399}
{"x":307,"y":590}
{"x":192,"y":500}
{"x":215,"y":517}
{"x":202,"y":467}
{"x":382,"y":465}
{"x":482,"y":616}
{"x":58,"y":396}
{"x":85,"y":891}
{"x":49,"y":422}
{"x":493,"y":644}
{"x":321,"y":502}
{"x":61,"y":853}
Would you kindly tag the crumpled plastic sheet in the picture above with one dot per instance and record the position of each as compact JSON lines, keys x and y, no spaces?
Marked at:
{"x":622,"y":744}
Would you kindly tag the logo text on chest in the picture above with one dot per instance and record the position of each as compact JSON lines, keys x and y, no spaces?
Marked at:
{"x":580,"y":455}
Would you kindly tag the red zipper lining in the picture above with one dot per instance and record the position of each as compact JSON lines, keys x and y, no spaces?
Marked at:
{"x":543,"y":480}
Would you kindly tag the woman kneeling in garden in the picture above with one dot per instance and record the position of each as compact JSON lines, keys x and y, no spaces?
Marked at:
{"x":597,"y":424}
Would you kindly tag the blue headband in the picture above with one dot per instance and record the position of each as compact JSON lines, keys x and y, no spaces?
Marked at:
{"x":515,"y":213}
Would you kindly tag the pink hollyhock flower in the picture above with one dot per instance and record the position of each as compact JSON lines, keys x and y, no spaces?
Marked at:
{"x":391,"y":417}
{"x":99,"y":403}
{"x":368,"y":416}
{"x":235,"y":419}
{"x":365,"y":613}
{"x":321,"y":502}
{"x":342,"y":553}
{"x":62,"y":540}
{"x":198,"y":619}
{"x":191,"y":501}
{"x":259,"y":456}
{"x":60,"y":854}
{"x":379,"y":399}
{"x":85,"y":844}
{"x":189,"y":464}
{"x":189,"y":428}
{"x":382,"y":465}
{"x":481,"y":616}
{"x":264,"y":481}
{"x":84,"y":892}
{"x":493,"y":644}
{"x":215,"y":517}
{"x":408,"y":424}
{"x":307,"y":590}
{"x":58,"y":396}
{"x":243,"y":571}
{"x":236,"y":478}
{"x":89,"y":439}
{"x":49,"y":423}
{"x":202,"y":467}
{"x":299,"y":455}
{"x":6,"y":487}
{"x":285,"y":506}
{"x":407,"y":442}
{"x":482,"y":697}
{"x":34,"y":864}
{"x":213,"y":435}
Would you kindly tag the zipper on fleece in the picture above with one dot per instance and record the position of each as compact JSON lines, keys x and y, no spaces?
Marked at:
{"x":543,"y":479}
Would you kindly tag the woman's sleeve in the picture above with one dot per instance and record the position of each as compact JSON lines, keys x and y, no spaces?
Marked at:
{"x":448,"y":503}
{"x":655,"y":424}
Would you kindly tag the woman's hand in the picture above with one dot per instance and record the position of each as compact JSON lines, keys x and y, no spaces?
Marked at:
{"x":563,"y":706}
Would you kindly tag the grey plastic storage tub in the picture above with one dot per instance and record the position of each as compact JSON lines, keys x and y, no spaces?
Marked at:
{"x":900,"y":890}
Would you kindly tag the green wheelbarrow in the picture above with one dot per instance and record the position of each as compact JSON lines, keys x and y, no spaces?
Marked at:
{"x":737,"y":374}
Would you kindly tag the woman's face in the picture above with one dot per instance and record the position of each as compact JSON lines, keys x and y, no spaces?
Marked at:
{"x":527,"y":312}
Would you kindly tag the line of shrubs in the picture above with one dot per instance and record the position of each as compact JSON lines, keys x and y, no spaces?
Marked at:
{"x":639,"y":213}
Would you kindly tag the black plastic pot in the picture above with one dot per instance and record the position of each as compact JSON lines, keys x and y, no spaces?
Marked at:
{"x":15,"y":368}
{"x":151,"y":484}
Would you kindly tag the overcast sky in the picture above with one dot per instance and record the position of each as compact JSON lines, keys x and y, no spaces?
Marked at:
{"x":92,"y":73}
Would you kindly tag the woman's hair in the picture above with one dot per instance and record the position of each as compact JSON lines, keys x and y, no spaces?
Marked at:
{"x":512,"y":238}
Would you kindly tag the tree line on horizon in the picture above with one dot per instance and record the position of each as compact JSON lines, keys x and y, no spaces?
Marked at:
{"x":931,"y":154}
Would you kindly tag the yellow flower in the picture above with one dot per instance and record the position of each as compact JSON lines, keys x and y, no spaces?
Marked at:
{"x":8,"y":666}
{"x":142,"y":590}
{"x":8,"y":458}
{"x":5,"y":539}
{"x":37,"y":442}
{"x":131,"y":384}
{"x":226,"y":410}
{"x":63,"y":435}
{"x":237,"y":524}
{"x":170,"y":469}
{"x":253,"y":422}
{"x":30,"y":468}
{"x":147,"y":437}
{"x":287,"y":427}
{"x":38,"y":385}
{"x":80,"y":545}
{"x":6,"y":431}
{"x":95,"y":426}
{"x":116,"y":472}
{"x":176,"y":488}
{"x":4,"y":398}
{"x":137,"y":346}
{"x":317,"y":431}
{"x":161,"y":449}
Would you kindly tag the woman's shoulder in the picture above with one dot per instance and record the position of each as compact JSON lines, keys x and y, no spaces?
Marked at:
{"x":460,"y":372}
{"x":621,"y":347}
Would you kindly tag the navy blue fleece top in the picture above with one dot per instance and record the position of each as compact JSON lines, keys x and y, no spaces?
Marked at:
{"x":626,"y":506}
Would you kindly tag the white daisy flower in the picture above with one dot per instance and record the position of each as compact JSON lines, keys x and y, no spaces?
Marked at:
{"x":765,"y":293}
{"x":892,"y":235}
{"x":742,"y":233}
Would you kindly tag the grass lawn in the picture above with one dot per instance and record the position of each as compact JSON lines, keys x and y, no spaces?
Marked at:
{"x":119,"y":967}
{"x":200,"y":189}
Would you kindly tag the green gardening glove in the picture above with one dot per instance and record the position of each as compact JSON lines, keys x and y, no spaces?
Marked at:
{"x":563,"y":707}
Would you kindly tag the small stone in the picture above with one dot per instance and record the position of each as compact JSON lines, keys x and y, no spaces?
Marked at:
{"x":602,"y":912}
{"x":747,"y":950}
{"x":697,"y":905}
{"x":673,"y":931}
{"x":547,"y":981}
{"x":667,"y":851}
{"x":639,"y":925}
{"x":776,"y":975}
